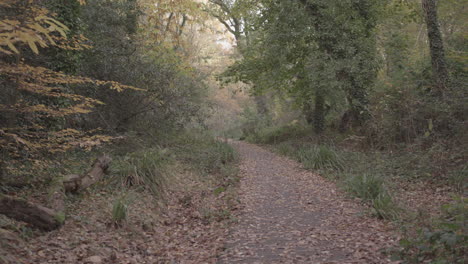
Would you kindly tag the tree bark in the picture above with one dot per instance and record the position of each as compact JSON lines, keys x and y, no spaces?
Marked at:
{"x":76,"y":183}
{"x":36,"y":215}
{"x":261,"y":103}
{"x":319,"y":114}
{"x":436,"y":46}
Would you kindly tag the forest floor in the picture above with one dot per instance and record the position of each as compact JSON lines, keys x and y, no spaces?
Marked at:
{"x":188,"y":225}
{"x":278,"y":213}
{"x":291,"y":215}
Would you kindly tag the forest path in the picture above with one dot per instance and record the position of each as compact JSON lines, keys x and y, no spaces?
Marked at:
{"x":291,"y":215}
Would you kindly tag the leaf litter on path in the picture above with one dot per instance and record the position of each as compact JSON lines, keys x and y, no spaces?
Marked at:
{"x":291,"y":215}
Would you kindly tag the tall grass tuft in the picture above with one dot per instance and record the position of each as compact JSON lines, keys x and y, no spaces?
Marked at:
{"x":371,"y":189}
{"x":119,"y":211}
{"x":365,"y":186}
{"x":319,"y":157}
{"x":204,"y":153}
{"x":147,"y":169}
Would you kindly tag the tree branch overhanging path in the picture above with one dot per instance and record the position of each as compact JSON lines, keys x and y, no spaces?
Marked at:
{"x":291,"y":215}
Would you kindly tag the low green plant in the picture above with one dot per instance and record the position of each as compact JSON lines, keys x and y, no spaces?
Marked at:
{"x":384,"y":207}
{"x":147,"y":168}
{"x":371,"y":189}
{"x":285,"y":148}
{"x":445,"y":241}
{"x":459,"y":179}
{"x":119,"y":211}
{"x":319,"y":157}
{"x":204,"y":153}
{"x":365,"y":186}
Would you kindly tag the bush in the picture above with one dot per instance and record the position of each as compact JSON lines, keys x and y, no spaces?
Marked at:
{"x":319,"y":157}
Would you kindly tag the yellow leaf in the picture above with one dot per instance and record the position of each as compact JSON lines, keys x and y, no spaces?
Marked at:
{"x":5,"y":51}
{"x":33,"y":46}
{"x":11,"y":46}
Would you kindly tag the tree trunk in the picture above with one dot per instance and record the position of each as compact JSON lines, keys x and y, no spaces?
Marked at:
{"x":36,"y":215}
{"x":261,"y":103}
{"x":436,"y":45}
{"x":319,"y":114}
{"x":76,"y":183}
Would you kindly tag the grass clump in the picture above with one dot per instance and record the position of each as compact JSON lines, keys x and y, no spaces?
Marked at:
{"x":285,"y":148}
{"x":119,"y":211}
{"x":365,"y":186}
{"x":204,"y":153}
{"x":147,"y":169}
{"x":371,"y":189}
{"x":319,"y":157}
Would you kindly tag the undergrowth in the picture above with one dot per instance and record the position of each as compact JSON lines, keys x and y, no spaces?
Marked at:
{"x":146,"y":168}
{"x":444,"y":240}
{"x":207,"y":155}
{"x":367,"y":174}
{"x":319,"y":157}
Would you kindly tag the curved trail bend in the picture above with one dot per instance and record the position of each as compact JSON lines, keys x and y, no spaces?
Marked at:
{"x":291,"y":215}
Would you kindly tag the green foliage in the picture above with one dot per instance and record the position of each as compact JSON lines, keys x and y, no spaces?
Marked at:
{"x":445,"y":241}
{"x":60,"y":217}
{"x":205,"y":153}
{"x":147,"y":168}
{"x":119,"y":210}
{"x":273,"y":135}
{"x":285,"y":148}
{"x":319,"y":157}
{"x":366,"y":186}
{"x":311,"y":51}
{"x":372,"y":190}
{"x":384,"y":207}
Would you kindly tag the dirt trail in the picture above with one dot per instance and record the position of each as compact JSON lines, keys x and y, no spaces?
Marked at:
{"x":291,"y":215}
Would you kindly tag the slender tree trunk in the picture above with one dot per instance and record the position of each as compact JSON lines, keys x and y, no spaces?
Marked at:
{"x":436,"y":45}
{"x":319,"y":114}
{"x":261,"y":102}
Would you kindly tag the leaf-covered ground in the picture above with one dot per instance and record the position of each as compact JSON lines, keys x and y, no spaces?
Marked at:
{"x":291,"y":215}
{"x":190,"y":226}
{"x":286,"y":215}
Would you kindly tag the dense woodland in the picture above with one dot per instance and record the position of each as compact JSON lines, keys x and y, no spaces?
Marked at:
{"x":371,"y":94}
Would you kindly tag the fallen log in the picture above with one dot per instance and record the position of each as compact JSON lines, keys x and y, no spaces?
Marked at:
{"x":76,"y":183}
{"x":39,"y":216}
{"x":48,"y":219}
